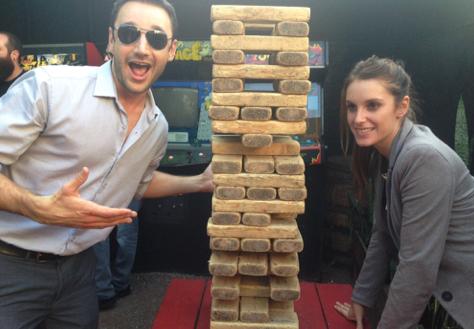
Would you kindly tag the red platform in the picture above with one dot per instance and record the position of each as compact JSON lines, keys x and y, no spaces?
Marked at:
{"x":187,"y":305}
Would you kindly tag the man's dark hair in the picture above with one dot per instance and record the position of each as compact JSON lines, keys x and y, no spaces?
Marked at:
{"x":168,"y":7}
{"x":13,"y":43}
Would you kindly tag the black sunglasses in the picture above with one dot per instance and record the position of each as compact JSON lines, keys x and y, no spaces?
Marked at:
{"x":129,"y":34}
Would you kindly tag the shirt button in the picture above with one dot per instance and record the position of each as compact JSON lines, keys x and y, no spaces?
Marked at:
{"x":447,"y":296}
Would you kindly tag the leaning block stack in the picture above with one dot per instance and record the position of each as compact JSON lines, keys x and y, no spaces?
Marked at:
{"x":258,"y":170}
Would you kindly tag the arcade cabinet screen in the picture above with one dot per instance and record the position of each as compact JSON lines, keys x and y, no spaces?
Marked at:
{"x":179,"y":105}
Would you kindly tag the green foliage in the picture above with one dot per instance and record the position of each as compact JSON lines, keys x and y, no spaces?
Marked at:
{"x":461,"y":142}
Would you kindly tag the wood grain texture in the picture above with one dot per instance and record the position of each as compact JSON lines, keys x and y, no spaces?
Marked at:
{"x":260,"y":13}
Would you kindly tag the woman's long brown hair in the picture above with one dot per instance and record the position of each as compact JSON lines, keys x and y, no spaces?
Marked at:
{"x":399,"y":84}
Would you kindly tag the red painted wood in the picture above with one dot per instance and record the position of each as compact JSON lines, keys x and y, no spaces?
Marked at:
{"x":308,"y":308}
{"x":328,"y":295}
{"x":204,"y":320}
{"x":187,"y":305}
{"x":180,"y":305}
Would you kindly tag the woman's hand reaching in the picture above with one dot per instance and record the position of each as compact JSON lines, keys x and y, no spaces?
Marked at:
{"x":353,"y":312}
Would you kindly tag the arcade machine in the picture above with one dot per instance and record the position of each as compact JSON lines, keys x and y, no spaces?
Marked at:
{"x":35,"y":55}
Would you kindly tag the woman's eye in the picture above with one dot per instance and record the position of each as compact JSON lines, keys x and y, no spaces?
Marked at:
{"x":351,"y":107}
{"x":372,"y":106}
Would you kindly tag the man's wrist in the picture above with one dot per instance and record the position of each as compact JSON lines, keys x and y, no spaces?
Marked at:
{"x":33,"y":206}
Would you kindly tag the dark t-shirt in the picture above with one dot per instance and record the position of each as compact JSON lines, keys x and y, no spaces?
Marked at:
{"x":4,"y":85}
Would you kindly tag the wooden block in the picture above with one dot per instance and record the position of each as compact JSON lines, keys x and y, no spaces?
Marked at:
{"x":292,"y":194}
{"x":225,"y":288}
{"x":284,"y":289}
{"x":254,"y":310}
{"x":278,"y":320}
{"x":277,"y":323}
{"x":299,"y":87}
{"x":253,"y":264}
{"x":225,"y":218}
{"x":288,"y":216}
{"x":257,"y":140}
{"x":261,"y":193}
{"x":257,"y":127}
{"x":284,"y":264}
{"x":228,"y":57}
{"x":224,"y":244}
{"x":256,"y":43}
{"x":285,"y":306}
{"x":260,"y":180}
{"x":293,"y":29}
{"x":291,"y":58}
{"x":289,"y":165}
{"x":259,"y":99}
{"x":291,"y":114}
{"x":255,"y":245}
{"x":254,"y":286}
{"x":255,"y":113}
{"x":256,"y":219}
{"x":227,"y":85}
{"x":255,"y":164}
{"x":229,"y":192}
{"x":277,"y":230}
{"x":255,"y":71}
{"x":288,"y":245}
{"x":260,"y":13}
{"x":226,"y":164}
{"x":281,"y":145}
{"x":228,"y":27}
{"x":223,"y":263}
{"x":225,"y":310}
{"x":272,"y":206}
{"x":224,"y":112}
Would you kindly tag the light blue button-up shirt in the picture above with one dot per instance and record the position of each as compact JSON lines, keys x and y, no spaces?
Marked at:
{"x":54,"y":121}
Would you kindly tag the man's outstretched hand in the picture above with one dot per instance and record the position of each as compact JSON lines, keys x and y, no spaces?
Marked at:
{"x":67,"y":208}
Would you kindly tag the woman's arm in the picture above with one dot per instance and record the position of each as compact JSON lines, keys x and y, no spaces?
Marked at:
{"x":381,"y":248}
{"x":427,"y":192}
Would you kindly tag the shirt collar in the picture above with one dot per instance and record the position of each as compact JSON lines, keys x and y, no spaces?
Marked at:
{"x":105,"y":87}
{"x":105,"y":84}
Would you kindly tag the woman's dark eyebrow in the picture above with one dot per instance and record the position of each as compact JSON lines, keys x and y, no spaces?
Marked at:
{"x":374,"y":100}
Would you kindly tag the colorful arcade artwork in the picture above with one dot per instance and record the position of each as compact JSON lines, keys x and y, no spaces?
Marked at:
{"x":30,"y":61}
{"x":193,"y":50}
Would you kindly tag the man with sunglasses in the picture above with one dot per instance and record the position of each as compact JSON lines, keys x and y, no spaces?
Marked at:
{"x":77,"y":144}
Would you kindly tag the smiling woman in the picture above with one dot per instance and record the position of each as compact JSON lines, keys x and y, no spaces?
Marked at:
{"x":423,"y":203}
{"x":376,"y":97}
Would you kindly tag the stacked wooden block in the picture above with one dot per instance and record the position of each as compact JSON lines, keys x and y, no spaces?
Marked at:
{"x":258,"y":170}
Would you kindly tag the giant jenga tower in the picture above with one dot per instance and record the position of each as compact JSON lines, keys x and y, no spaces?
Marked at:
{"x":258,"y":170}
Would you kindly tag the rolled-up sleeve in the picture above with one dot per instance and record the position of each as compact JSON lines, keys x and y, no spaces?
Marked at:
{"x":23,"y":115}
